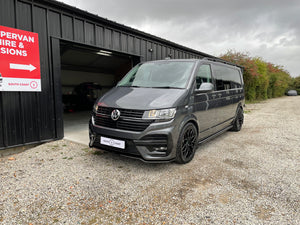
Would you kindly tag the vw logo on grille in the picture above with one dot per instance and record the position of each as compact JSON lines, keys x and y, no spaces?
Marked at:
{"x":115,"y":114}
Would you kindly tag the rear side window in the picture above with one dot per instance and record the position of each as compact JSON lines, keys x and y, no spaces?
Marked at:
{"x":203,"y":75}
{"x":226,"y":78}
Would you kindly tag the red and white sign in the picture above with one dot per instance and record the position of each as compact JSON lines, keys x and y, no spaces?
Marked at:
{"x":19,"y":60}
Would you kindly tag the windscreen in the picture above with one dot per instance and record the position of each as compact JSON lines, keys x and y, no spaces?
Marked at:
{"x":164,"y":74}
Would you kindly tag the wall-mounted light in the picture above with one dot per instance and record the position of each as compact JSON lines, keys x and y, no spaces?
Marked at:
{"x":105,"y":53}
{"x":150,"y":50}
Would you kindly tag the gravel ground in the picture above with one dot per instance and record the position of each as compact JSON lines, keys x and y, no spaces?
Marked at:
{"x":249,"y":177}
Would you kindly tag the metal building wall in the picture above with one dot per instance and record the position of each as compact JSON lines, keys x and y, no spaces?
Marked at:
{"x":27,"y":117}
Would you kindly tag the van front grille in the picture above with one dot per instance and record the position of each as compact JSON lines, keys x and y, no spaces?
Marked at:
{"x":124,"y":112}
{"x":129,"y":119}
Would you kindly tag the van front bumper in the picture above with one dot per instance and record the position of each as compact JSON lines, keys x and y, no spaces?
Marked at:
{"x":155,"y":144}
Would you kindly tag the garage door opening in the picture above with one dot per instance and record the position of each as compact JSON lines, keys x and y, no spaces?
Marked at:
{"x":86,"y":74}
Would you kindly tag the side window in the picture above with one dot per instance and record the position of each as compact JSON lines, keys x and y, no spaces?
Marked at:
{"x":226,"y":78}
{"x":203,"y":75}
{"x":235,"y":79}
{"x":219,"y":77}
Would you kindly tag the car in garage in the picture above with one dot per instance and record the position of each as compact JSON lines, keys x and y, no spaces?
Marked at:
{"x":82,"y":97}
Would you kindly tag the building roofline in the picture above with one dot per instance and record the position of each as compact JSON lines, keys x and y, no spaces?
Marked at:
{"x":75,"y":11}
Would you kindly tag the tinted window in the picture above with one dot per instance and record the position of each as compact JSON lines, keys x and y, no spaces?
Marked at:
{"x":203,"y":75}
{"x":235,"y":79}
{"x":226,"y":78}
{"x":173,"y":74}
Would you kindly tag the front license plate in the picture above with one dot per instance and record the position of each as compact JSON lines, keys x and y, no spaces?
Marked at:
{"x":112,"y":142}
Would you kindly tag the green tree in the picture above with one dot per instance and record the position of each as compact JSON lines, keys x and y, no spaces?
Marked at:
{"x":279,"y":81}
{"x":262,"y":79}
{"x":296,"y":82}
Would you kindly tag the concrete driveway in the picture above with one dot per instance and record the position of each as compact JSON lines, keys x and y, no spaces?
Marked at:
{"x":76,"y":127}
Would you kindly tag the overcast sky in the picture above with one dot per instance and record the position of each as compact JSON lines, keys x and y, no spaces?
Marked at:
{"x":266,"y":28}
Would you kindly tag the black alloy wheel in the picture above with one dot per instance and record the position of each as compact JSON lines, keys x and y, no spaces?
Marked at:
{"x":239,"y":120}
{"x":187,"y":144}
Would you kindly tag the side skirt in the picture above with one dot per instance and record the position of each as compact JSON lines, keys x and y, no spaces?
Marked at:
{"x":214,"y":135}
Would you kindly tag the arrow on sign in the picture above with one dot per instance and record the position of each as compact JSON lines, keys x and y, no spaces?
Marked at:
{"x":22,"y":67}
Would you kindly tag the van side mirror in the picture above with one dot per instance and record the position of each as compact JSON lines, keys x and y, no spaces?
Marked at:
{"x":206,"y":87}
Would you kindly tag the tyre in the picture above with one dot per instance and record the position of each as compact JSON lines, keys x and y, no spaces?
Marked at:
{"x":238,"y":121}
{"x":187,"y":144}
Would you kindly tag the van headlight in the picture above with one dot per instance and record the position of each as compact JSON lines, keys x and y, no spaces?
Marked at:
{"x":95,"y":107}
{"x":162,"y":114}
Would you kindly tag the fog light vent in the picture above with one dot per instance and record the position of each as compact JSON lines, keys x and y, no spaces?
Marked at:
{"x":160,"y":149}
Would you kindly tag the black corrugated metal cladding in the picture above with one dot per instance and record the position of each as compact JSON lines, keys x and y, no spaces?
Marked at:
{"x":33,"y":117}
{"x":28,"y":117}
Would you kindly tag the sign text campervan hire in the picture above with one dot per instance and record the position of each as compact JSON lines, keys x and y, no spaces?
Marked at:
{"x":19,"y":60}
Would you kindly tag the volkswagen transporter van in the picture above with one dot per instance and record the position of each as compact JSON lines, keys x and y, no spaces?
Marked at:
{"x":161,"y":110}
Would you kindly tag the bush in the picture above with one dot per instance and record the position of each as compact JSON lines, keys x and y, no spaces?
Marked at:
{"x":295,"y":84}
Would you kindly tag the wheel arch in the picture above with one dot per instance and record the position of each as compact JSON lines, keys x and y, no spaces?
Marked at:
{"x":239,"y":106}
{"x":187,"y":141}
{"x":190,"y":119}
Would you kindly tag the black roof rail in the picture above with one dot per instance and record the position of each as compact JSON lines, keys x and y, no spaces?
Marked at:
{"x":221,"y":61}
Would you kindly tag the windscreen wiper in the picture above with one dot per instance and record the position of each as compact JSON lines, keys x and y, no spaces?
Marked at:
{"x":168,"y":87}
{"x":130,"y":86}
{"x":138,"y":86}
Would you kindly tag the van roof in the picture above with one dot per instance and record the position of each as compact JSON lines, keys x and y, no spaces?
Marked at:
{"x":202,"y":59}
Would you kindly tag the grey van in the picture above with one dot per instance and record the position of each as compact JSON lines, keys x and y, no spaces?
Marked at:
{"x":161,"y":110}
